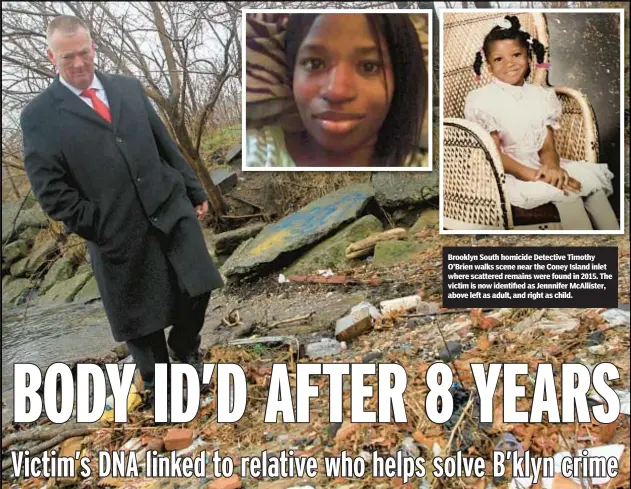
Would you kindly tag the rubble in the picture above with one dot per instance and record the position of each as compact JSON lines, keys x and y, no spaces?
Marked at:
{"x":331,"y":252}
{"x":400,"y":304}
{"x":303,"y":228}
{"x":396,"y":336}
{"x":616,"y":317}
{"x":395,"y":189}
{"x":353,"y":325}
{"x":178,"y":439}
{"x":325,"y":348}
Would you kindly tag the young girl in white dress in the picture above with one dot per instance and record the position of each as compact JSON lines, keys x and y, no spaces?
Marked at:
{"x":522,"y":118}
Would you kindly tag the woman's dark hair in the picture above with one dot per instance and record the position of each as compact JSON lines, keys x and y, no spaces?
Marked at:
{"x":400,"y":133}
{"x":500,"y":33}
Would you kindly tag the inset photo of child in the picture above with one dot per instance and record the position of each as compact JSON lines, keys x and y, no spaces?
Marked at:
{"x":531,"y":121}
{"x":337,"y":90}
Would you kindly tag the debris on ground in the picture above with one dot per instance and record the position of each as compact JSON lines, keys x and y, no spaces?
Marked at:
{"x":366,"y":246}
{"x":474,"y":336}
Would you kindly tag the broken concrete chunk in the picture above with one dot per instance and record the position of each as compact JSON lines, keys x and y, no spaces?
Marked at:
{"x":401,"y":304}
{"x":324,"y":348}
{"x":303,"y":228}
{"x":330,"y":253}
{"x":353,"y":325}
{"x":227,"y":242}
{"x":224,"y":179}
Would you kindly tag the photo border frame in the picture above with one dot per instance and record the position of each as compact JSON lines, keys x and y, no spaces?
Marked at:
{"x":429,"y":108}
{"x":441,"y":12}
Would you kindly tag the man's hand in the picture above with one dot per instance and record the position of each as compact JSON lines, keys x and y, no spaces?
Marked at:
{"x":202,"y":210}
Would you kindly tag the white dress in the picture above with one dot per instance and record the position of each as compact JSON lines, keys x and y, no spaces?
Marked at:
{"x":521,"y":115}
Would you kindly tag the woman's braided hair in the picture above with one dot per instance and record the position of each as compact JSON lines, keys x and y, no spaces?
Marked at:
{"x":499,"y":33}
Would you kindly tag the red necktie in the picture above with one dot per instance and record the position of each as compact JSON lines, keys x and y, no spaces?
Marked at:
{"x":98,"y":104}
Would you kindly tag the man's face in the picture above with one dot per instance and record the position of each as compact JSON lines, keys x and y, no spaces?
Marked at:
{"x":73,"y":56}
{"x":508,"y":61}
{"x":340,"y":83}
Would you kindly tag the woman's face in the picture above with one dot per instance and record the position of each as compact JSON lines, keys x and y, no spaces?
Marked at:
{"x":508,"y":61}
{"x":340,"y":83}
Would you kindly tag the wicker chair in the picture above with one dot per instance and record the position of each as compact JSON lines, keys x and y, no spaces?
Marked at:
{"x":474,"y":195}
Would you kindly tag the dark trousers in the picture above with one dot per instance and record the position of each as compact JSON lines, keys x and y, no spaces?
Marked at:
{"x":184,"y":338}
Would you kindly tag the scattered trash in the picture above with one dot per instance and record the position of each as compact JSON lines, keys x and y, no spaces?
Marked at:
{"x":599,"y":350}
{"x":401,"y":304}
{"x":596,"y":338}
{"x":466,"y":433}
{"x":326,"y":273}
{"x":133,"y":401}
{"x":374,"y":312}
{"x":616,"y":317}
{"x":206,"y":401}
{"x":427,"y":308}
{"x":282,"y":279}
{"x":606,"y":451}
{"x":410,"y":448}
{"x":560,"y":324}
{"x":324,"y":348}
{"x":132,"y":445}
{"x":501,"y":314}
{"x":198,"y":443}
{"x":521,"y":482}
{"x":508,"y":443}
{"x":625,"y":400}
{"x":153,"y":443}
{"x":353,"y":325}
{"x":451,"y":352}
{"x":345,"y":431}
{"x":335,"y":280}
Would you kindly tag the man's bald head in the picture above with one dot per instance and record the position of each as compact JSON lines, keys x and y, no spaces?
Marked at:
{"x":71,"y":50}
{"x":66,"y":25}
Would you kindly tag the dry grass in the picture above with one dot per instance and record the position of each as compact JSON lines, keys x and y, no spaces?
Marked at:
{"x":294,"y":190}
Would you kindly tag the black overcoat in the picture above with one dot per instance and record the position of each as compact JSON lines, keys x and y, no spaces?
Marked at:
{"x":127,"y":190}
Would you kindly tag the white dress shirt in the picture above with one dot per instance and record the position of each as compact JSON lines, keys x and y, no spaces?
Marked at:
{"x":96,"y":83}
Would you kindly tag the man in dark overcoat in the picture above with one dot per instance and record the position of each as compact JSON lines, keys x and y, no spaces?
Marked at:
{"x":100,"y":160}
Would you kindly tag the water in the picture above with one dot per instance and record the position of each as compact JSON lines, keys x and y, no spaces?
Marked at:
{"x":43,"y":335}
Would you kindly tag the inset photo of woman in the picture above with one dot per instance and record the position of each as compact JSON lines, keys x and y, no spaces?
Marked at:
{"x":531,"y":121}
{"x":337,"y":90}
